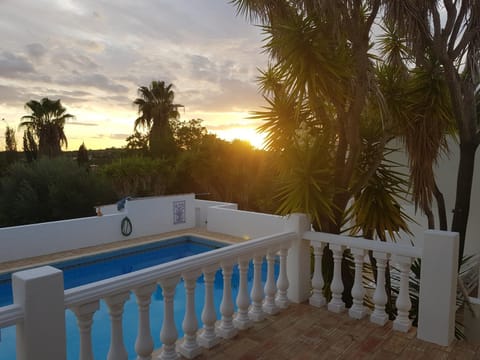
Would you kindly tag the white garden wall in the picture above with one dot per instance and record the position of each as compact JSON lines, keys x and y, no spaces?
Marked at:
{"x":245,"y":224}
{"x":149,"y":216}
{"x":201,"y":210}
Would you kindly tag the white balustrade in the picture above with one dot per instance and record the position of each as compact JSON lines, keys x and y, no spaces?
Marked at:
{"x":189,"y":347}
{"x":144,"y":341}
{"x":270,"y":289}
{"x":336,"y":304}
{"x":317,"y":299}
{"x":256,"y":312}
{"x":403,"y":303}
{"x":358,"y":310}
{"x":379,"y":316}
{"x":226,"y":329}
{"x":168,"y":334}
{"x":282,"y":282}
{"x":207,"y":337}
{"x":115,"y":304}
{"x":84,"y":314}
{"x":242,"y":320}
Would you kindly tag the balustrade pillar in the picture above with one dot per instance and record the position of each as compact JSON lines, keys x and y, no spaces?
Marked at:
{"x":358,"y":310}
{"x":379,"y":316}
{"x":256,"y":312}
{"x":269,"y":305}
{"x":403,"y":303}
{"x":282,"y":282}
{"x":144,"y":341}
{"x":226,"y":329}
{"x":317,"y":299}
{"x":207,"y":337}
{"x":242,"y":321}
{"x":115,"y":304}
{"x":84,"y":314}
{"x":336,"y":304}
{"x":168,"y":334}
{"x":189,"y":347}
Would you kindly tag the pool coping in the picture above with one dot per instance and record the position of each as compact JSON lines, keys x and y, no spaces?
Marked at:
{"x":17,"y":265}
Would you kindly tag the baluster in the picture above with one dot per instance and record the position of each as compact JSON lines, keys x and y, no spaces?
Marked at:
{"x":317,"y":299}
{"x":256,"y":312}
{"x":207,"y":337}
{"x":403,"y":303}
{"x":242,"y":321}
{"x":144,"y":342}
{"x":189,"y":347}
{"x":282,"y":282}
{"x":358,"y":311}
{"x":226,"y":329}
{"x":379,"y":316}
{"x":84,"y":314}
{"x":270,"y":289}
{"x":115,"y":304}
{"x":168,"y":334}
{"x":336,"y":304}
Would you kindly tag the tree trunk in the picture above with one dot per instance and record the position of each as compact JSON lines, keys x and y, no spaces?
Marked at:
{"x":442,"y":212}
{"x":464,"y":190}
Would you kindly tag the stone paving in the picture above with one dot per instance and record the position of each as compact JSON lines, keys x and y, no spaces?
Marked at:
{"x":303,"y":332}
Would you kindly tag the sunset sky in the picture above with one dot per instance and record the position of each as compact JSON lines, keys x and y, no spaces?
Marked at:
{"x":94,"y":55}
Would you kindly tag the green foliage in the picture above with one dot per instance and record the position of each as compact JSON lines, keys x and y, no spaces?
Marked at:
{"x":138,"y":142}
{"x":304,"y":182}
{"x":82,"y":156}
{"x":188,"y":134}
{"x":10,"y":145}
{"x":48,"y":190}
{"x":30,"y":147}
{"x":138,"y":176}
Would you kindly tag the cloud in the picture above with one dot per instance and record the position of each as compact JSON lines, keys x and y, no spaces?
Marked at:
{"x":36,"y":51}
{"x":74,"y":61}
{"x":12,"y":66}
{"x":95,"y":80}
{"x":80,"y":123}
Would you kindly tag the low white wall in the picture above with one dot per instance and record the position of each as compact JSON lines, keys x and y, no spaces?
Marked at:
{"x":201,"y":210}
{"x":149,"y":216}
{"x":156,"y":215}
{"x":245,"y":224}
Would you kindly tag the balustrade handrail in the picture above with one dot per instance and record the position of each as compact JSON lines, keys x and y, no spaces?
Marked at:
{"x":10,"y":315}
{"x":94,"y":291}
{"x":361,"y":243}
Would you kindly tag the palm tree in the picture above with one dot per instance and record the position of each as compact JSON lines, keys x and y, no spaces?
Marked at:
{"x":156,"y":108}
{"x":46,"y":121}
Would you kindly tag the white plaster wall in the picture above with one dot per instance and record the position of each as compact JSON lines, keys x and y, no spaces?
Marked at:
{"x":155,"y":215}
{"x":201,"y":210}
{"x":20,"y":242}
{"x":248,"y":225}
{"x":446,"y":177}
{"x":149,"y":216}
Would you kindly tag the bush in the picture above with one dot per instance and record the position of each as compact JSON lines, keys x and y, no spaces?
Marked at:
{"x":138,"y":176}
{"x":49,"y":190}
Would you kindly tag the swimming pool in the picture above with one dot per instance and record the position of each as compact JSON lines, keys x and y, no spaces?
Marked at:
{"x":93,"y":268}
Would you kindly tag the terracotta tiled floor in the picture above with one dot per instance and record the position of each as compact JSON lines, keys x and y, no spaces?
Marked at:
{"x":303,"y":332}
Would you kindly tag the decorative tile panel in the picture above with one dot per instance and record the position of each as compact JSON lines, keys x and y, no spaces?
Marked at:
{"x":179,"y":212}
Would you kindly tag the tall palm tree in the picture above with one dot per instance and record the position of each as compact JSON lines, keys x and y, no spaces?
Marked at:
{"x":46,"y":121}
{"x":156,"y":108}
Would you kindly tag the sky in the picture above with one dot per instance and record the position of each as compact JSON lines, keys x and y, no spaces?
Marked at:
{"x":94,"y":55}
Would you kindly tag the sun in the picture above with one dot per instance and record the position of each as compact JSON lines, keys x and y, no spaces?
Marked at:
{"x":243,"y":133}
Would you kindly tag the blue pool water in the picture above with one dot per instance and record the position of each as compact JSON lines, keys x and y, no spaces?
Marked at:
{"x":97,"y":267}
